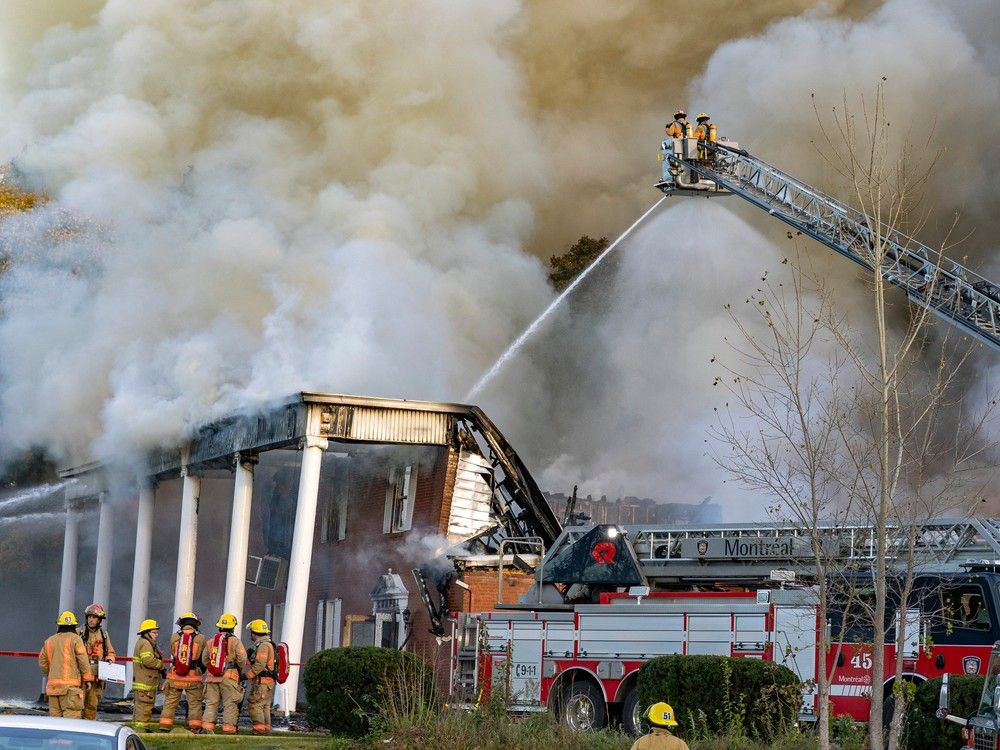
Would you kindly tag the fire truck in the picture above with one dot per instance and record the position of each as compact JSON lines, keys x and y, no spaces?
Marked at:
{"x":607,"y":598}
{"x":981,"y":730}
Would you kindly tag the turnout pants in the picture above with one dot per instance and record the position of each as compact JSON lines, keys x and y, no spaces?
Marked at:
{"x":230,"y":694}
{"x":92,"y":698}
{"x":172,"y":697}
{"x":259,"y":706}
{"x":69,"y":705}
{"x":142,"y":704}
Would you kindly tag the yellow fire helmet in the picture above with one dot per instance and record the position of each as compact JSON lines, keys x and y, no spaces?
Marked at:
{"x":680,"y":113}
{"x":146,"y":625}
{"x":703,"y":116}
{"x":258,"y":627}
{"x":189,"y":616}
{"x":226,"y":622}
{"x":66,"y":618}
{"x":661,"y":715}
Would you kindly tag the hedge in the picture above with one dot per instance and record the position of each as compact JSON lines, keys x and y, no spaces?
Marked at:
{"x":347,"y":687}
{"x":721,"y":695}
{"x":923,"y":731}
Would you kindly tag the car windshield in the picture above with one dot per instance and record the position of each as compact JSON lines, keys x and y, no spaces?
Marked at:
{"x":20,"y":738}
{"x":991,"y":683}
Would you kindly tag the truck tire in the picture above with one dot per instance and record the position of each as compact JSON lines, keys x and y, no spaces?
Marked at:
{"x":581,"y":706}
{"x":632,"y":714}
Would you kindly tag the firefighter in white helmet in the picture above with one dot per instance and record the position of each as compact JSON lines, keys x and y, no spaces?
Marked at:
{"x":64,"y":661}
{"x":186,"y":674}
{"x":147,"y":669}
{"x":661,"y":716}
{"x":261,"y":674}
{"x":99,"y":649}
{"x":224,"y":659}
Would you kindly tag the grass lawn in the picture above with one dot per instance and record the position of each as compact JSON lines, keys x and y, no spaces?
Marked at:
{"x":276,"y":741}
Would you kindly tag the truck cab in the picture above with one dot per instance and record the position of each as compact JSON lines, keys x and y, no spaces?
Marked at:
{"x":982,"y":729}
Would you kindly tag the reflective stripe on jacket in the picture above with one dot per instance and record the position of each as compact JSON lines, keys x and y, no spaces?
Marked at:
{"x":63,"y":659}
{"x":98,"y":644}
{"x":147,"y":661}
{"x":262,"y":657}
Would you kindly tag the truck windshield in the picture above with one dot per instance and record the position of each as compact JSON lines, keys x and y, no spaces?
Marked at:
{"x":991,"y":683}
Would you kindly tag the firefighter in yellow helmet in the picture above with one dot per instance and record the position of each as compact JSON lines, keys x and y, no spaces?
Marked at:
{"x":261,"y":674}
{"x":64,"y":661}
{"x":226,"y":655}
{"x":186,"y":674}
{"x":661,"y":716}
{"x":703,"y":132}
{"x":99,"y":649}
{"x":147,"y":669}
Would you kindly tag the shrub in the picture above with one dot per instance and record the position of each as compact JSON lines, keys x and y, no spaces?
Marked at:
{"x":923,"y":730}
{"x":346,"y":688}
{"x":720,"y":695}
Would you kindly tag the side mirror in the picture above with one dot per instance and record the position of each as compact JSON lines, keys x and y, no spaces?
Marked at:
{"x":996,"y":699}
{"x":944,"y":703}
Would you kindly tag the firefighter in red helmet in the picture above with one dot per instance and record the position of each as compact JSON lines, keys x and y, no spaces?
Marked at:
{"x":99,"y":649}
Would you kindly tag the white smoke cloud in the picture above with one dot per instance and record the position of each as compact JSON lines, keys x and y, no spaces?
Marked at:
{"x":275,"y":199}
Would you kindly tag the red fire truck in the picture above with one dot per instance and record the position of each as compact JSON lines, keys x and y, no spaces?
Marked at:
{"x":607,"y":598}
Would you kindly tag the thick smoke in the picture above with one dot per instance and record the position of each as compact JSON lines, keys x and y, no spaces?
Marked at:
{"x":277,"y":198}
{"x":339,"y":195}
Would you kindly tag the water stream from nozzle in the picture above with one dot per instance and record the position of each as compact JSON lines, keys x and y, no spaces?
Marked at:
{"x":28,"y":497}
{"x":519,"y":342}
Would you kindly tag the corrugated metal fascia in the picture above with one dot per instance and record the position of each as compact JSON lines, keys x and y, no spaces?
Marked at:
{"x":381,"y":425}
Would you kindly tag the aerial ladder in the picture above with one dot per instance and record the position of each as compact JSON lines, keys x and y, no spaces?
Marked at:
{"x":609,"y":556}
{"x":929,"y":279}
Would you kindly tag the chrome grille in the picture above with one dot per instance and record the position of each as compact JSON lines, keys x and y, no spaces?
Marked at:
{"x":984,"y":739}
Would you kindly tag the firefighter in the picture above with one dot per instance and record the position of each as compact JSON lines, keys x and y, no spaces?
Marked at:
{"x":64,"y":661}
{"x":147,"y":669}
{"x":661,"y":716}
{"x":261,"y":674}
{"x":186,"y":653}
{"x":99,"y":649}
{"x":678,"y":127}
{"x":702,"y":132}
{"x":224,"y":660}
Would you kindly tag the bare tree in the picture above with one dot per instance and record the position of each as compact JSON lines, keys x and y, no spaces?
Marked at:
{"x":869,"y":429}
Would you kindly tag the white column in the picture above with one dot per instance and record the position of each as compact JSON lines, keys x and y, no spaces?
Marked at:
{"x":239,"y":538}
{"x":105,"y":545}
{"x":67,"y":584}
{"x":140,"y":569}
{"x":293,"y":626}
{"x":187,"y":545}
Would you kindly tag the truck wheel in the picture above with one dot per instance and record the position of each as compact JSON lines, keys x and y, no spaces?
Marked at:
{"x":581,"y":707}
{"x":632,"y":714}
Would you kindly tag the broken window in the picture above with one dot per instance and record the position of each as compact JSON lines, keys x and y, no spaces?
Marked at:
{"x":399,"y":495}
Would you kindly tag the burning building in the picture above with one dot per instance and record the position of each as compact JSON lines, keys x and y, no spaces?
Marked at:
{"x":341,"y":520}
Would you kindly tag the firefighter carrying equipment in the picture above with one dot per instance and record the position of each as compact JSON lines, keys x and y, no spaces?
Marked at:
{"x":183,"y":652}
{"x":66,"y":618}
{"x":258,"y":627}
{"x":662,"y":715}
{"x":189,"y":616}
{"x":97,"y":610}
{"x":227,"y":622}
{"x":146,"y":625}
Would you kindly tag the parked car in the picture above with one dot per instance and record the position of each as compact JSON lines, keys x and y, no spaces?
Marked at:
{"x":65,"y":734}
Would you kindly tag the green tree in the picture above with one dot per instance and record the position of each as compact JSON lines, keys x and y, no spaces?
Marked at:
{"x":574,"y":261}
